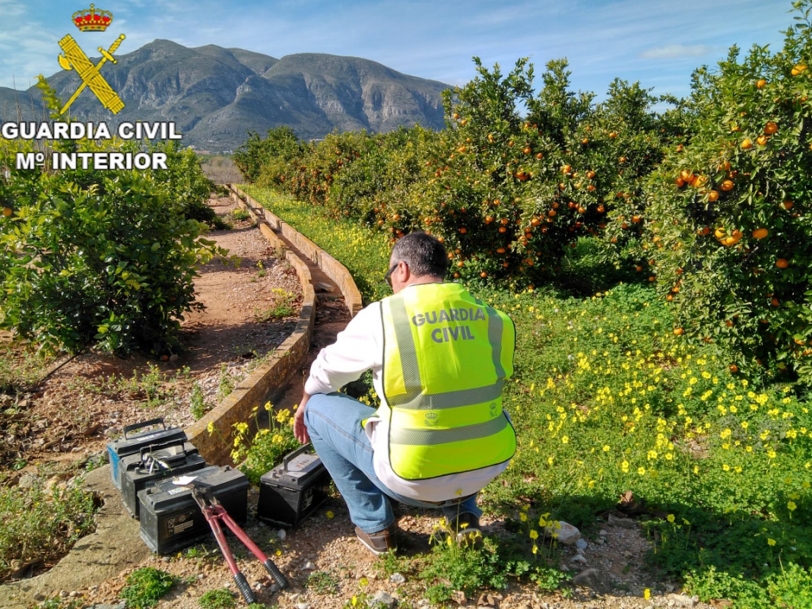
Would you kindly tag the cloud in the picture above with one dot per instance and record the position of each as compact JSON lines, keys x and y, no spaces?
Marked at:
{"x":676,"y":51}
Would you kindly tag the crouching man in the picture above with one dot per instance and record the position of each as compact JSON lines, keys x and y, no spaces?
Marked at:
{"x":439,"y":359}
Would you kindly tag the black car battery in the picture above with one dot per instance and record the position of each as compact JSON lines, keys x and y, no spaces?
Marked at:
{"x":170,"y":518}
{"x":293,"y":489}
{"x":153,"y":463}
{"x":132,"y":443}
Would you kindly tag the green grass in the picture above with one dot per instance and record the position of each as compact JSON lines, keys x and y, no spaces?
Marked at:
{"x":365,"y":254}
{"x":146,"y":586}
{"x":217,"y":599}
{"x":40,"y":525}
{"x":606,"y":400}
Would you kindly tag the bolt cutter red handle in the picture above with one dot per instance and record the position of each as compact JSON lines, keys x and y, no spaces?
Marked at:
{"x":214,"y":514}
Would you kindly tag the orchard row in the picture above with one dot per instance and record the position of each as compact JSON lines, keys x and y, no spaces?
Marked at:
{"x":707,"y":200}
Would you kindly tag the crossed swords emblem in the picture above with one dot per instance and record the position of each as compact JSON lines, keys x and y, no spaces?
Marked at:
{"x":74,"y":58}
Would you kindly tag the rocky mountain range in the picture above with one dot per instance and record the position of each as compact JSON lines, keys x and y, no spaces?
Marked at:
{"x":216,"y":95}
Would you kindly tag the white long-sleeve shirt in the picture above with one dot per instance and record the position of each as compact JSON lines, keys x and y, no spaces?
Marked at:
{"x":358,"y":348}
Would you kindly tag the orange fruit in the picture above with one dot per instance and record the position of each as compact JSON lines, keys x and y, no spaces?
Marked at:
{"x":500,"y":250}
{"x":463,"y":230}
{"x":535,"y":221}
{"x":585,"y":141}
{"x":686,"y":175}
{"x":566,"y":169}
{"x":488,"y":219}
{"x":798,"y":69}
{"x":527,"y":150}
{"x":713,"y":195}
{"x":747,"y":143}
{"x":787,"y":204}
{"x":760,"y":233}
{"x":7,"y":211}
{"x":652,"y":278}
{"x":590,"y":174}
{"x":613,"y":134}
{"x":720,"y":233}
{"x":502,"y":229}
{"x":771,"y":127}
{"x":456,"y":275}
{"x":761,"y":83}
{"x":727,"y":185}
{"x":679,"y":331}
{"x":733,"y":239}
{"x":679,"y":182}
{"x":734,"y":368}
{"x":460,"y":264}
{"x":782,"y":263}
{"x":552,"y":213}
{"x":775,"y":302}
{"x":761,"y":140}
{"x":539,"y":156}
{"x":483,"y":274}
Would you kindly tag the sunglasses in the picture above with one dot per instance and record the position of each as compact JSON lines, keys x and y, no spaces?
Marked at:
{"x":388,"y":277}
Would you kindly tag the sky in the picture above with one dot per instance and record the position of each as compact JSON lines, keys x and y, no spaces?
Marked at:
{"x":655,"y":42}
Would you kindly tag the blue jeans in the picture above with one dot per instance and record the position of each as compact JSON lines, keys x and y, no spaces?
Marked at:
{"x":334,"y":424}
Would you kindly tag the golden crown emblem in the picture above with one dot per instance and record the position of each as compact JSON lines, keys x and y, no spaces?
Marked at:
{"x":91,"y":20}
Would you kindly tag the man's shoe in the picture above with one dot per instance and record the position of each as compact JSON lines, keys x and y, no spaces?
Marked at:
{"x":379,"y":543}
{"x":465,"y":528}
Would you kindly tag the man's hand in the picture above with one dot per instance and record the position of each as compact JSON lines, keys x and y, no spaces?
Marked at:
{"x":299,"y":427}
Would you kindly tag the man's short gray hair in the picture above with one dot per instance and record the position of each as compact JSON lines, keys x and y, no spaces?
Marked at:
{"x":424,"y":254}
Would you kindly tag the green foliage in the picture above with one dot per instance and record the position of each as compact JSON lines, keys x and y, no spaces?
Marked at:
{"x":146,"y":586}
{"x":240,"y":214}
{"x":467,"y":569}
{"x":283,"y":305}
{"x":197,"y":402}
{"x":217,"y":599}
{"x":268,"y":156}
{"x":188,"y":188}
{"x":95,"y":258}
{"x":260,"y":453}
{"x":41,"y":524}
{"x":728,"y":228}
{"x":322,"y":582}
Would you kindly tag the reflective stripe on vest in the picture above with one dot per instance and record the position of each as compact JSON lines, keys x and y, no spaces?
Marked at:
{"x":446,"y":357}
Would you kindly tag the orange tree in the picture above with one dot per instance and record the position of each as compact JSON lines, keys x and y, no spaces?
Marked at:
{"x":730,"y":232}
{"x":375,"y":188}
{"x":268,"y":156}
{"x":522,"y":177}
{"x":310,"y":175}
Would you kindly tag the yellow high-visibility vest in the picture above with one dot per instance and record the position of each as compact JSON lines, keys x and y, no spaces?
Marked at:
{"x":446,"y":358}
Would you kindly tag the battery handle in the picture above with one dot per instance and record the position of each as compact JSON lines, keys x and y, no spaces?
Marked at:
{"x":143,"y":424}
{"x":288,"y":458}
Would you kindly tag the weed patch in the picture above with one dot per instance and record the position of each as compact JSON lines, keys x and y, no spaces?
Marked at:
{"x":146,"y":586}
{"x":40,"y":524}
